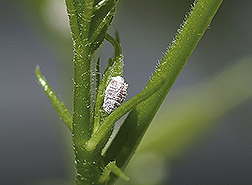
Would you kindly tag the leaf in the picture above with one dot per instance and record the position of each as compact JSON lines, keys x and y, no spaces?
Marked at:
{"x":57,"y":104}
{"x":111,"y":167}
{"x":171,"y":65}
{"x":101,"y":20}
{"x":148,"y":168}
{"x":188,"y":118}
{"x":114,"y":68}
{"x":89,"y":20}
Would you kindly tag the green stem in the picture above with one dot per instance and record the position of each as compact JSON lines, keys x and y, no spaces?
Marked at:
{"x":87,"y":163}
{"x":98,"y":74}
{"x":134,"y":127}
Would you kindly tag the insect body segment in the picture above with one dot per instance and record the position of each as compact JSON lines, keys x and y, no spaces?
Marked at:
{"x":115,"y":94}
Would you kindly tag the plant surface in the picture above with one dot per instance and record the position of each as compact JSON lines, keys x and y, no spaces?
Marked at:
{"x":90,"y":125}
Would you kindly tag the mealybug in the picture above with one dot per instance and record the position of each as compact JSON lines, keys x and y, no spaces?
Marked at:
{"x":115,"y":94}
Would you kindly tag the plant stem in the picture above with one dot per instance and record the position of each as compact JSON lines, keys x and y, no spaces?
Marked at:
{"x":87,"y":163}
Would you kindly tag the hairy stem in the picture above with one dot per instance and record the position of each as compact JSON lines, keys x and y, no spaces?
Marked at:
{"x":134,"y":127}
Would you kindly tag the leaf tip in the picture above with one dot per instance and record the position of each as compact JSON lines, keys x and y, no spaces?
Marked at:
{"x":37,"y":71}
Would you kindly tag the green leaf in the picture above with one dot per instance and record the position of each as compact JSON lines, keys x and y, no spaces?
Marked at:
{"x":114,"y":68}
{"x":116,"y":45}
{"x":117,"y":36}
{"x":186,"y":119}
{"x":89,"y":20}
{"x":111,"y":167}
{"x":109,"y":121}
{"x":174,"y":59}
{"x":57,"y":104}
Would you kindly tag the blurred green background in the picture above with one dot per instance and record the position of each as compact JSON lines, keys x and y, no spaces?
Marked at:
{"x":202,"y":133}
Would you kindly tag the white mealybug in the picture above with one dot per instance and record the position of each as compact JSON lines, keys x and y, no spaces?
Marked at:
{"x":115,"y":94}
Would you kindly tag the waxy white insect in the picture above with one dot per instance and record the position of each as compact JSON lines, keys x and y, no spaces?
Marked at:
{"x":115,"y":94}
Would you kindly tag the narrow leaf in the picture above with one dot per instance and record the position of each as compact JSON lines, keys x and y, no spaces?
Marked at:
{"x":73,"y":22}
{"x":57,"y":104}
{"x":89,"y":20}
{"x":116,"y":170}
{"x":114,"y":68}
{"x":117,"y":36}
{"x":188,"y":116}
{"x":111,"y":167}
{"x":116,"y":45}
{"x":137,"y":122}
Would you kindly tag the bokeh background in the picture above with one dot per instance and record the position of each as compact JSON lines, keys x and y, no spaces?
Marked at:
{"x":35,"y":146}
